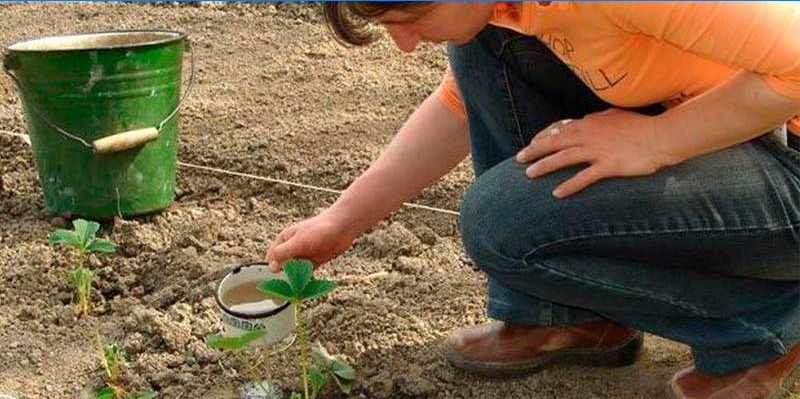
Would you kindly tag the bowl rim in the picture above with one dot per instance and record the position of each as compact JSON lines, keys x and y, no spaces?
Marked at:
{"x":245,"y":316}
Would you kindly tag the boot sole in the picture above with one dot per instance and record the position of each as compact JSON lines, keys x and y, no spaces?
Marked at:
{"x":624,"y":354}
{"x":780,"y":392}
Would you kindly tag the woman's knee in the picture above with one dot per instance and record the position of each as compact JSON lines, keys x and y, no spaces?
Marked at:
{"x":505,"y":215}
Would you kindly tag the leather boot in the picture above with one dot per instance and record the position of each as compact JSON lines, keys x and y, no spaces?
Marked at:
{"x":500,"y":349}
{"x":765,"y":381}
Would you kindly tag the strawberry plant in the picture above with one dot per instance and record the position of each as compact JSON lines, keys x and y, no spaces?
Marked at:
{"x":83,"y":241}
{"x":237,"y":346}
{"x":299,"y":286}
{"x":113,"y":359}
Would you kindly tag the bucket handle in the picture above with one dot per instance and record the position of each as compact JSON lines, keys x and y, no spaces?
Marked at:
{"x":116,"y":142}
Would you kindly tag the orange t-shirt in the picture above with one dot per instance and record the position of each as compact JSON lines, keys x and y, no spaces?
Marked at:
{"x":639,"y":53}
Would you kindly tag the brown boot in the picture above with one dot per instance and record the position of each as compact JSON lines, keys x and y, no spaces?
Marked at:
{"x":499,"y":349}
{"x":766,"y":381}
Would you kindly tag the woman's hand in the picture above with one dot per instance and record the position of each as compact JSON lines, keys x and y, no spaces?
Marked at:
{"x":613,"y":143}
{"x":318,"y":239}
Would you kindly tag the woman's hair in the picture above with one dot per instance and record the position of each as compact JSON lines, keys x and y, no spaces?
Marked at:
{"x":349,"y":20}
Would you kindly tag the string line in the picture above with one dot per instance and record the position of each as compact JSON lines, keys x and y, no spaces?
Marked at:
{"x":267,"y":179}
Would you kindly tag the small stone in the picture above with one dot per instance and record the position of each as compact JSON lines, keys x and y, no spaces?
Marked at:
{"x":251,"y":391}
{"x":408,"y":265}
{"x":425,"y":234}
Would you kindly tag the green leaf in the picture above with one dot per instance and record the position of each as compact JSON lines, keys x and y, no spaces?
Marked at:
{"x":105,"y":392}
{"x":343,"y":373}
{"x":143,"y":395}
{"x":113,"y":354}
{"x":85,"y":230}
{"x":277,"y":287}
{"x":342,"y":370}
{"x":316,"y":380}
{"x":100,"y":245}
{"x":320,"y":355}
{"x":82,"y":274}
{"x":62,"y":236}
{"x":234,"y":343}
{"x":296,"y":395}
{"x":344,"y":385}
{"x":298,"y":272}
{"x":318,"y":288}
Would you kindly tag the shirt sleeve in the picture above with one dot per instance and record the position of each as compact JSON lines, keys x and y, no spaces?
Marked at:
{"x":448,"y":94}
{"x":763,"y":37}
{"x":794,"y":125}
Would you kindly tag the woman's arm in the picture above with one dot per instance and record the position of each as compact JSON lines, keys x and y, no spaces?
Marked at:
{"x":737,"y":110}
{"x":759,"y":38}
{"x":429,"y":144}
{"x":762,"y":38}
{"x":619,"y":143}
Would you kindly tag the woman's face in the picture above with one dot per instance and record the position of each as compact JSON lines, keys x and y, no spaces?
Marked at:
{"x":452,"y":22}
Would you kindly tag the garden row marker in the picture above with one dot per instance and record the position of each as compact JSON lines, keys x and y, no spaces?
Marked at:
{"x":301,"y":185}
{"x":25,"y":138}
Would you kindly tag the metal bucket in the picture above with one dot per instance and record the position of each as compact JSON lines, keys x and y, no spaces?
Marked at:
{"x":102,"y":114}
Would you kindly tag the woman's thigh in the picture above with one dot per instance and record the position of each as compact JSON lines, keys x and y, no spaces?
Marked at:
{"x":736,"y":211}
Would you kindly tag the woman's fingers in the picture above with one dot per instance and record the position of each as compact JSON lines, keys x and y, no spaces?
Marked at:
{"x":555,"y":137}
{"x":561,"y":159}
{"x":273,"y":256}
{"x":581,"y":180}
{"x":282,"y":252}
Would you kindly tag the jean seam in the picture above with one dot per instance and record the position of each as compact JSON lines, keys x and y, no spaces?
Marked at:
{"x":513,"y":113}
{"x":772,"y":336}
{"x":513,"y":107}
{"x":750,"y":231}
{"x":777,"y":197}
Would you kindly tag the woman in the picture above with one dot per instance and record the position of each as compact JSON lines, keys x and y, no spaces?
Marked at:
{"x":624,"y":181}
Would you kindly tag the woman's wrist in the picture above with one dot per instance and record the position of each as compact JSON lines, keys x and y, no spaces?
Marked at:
{"x":349,"y":216}
{"x":664,"y":150}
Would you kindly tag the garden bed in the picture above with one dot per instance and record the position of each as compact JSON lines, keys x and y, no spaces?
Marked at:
{"x":274,"y":96}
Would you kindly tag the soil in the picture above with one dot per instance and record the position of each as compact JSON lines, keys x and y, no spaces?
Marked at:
{"x":274,"y":96}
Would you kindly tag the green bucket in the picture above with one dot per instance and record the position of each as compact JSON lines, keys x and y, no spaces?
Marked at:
{"x":102,"y":115}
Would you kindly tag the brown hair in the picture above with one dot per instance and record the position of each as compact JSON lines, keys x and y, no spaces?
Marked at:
{"x":349,"y":20}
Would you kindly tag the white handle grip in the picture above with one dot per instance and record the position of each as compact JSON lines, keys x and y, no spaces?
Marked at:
{"x":124,"y":141}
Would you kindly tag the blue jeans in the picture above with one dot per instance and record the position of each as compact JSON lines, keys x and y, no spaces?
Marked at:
{"x":706,"y":252}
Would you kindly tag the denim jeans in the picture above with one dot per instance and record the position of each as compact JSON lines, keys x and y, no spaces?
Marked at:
{"x":706,"y":252}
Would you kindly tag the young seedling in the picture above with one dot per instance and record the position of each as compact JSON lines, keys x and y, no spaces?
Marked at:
{"x":326,"y":367}
{"x":236,"y":346}
{"x":82,"y":240}
{"x":113,"y":358}
{"x":300,"y":285}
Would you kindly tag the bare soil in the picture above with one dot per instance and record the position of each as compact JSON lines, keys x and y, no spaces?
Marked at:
{"x":275,"y":96}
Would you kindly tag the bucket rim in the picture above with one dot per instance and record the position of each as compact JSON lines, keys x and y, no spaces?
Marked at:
{"x":170,"y":36}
